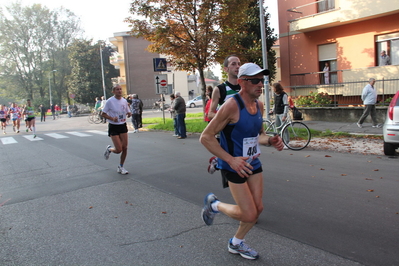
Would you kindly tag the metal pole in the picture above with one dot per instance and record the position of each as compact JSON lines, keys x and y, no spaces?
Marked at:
{"x":49,"y":86}
{"x":264,"y":56}
{"x":102,"y":72}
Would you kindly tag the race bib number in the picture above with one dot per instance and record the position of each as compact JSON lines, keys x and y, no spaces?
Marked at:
{"x":251,"y":148}
{"x":122,"y":118}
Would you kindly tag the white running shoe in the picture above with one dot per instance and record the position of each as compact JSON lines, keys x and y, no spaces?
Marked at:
{"x":122,"y":170}
{"x":107,"y":152}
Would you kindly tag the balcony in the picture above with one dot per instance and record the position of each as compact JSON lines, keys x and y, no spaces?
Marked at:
{"x":347,"y":82}
{"x":330,"y":13}
{"x":116,"y":60}
{"x":119,"y":80}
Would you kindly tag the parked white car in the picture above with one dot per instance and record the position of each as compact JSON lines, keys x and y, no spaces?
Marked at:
{"x":197,"y":101}
{"x":391,"y":127}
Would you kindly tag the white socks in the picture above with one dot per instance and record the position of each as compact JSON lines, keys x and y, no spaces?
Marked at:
{"x":214,"y":206}
{"x":235,"y":241}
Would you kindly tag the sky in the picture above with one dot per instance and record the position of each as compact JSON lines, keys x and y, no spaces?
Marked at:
{"x":101,"y":19}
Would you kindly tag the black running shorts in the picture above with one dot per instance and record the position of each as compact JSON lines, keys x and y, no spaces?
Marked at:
{"x":115,"y":130}
{"x":235,"y":178}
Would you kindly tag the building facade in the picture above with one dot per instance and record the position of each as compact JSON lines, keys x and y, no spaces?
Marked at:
{"x":348,"y":37}
{"x":137,"y":73}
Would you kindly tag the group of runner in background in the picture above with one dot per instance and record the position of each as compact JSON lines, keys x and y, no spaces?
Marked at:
{"x":12,"y":116}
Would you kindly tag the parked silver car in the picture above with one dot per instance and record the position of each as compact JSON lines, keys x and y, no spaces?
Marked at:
{"x":197,"y":101}
{"x":391,"y":127}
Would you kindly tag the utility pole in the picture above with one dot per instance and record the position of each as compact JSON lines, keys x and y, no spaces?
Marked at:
{"x":49,"y":85}
{"x":102,"y":71}
{"x":264,"y":56}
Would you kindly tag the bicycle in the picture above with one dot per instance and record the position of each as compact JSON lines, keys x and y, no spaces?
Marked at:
{"x":295,"y":135}
{"x":158,"y":106}
{"x":94,"y":117}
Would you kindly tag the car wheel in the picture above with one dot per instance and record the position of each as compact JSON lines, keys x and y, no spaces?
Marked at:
{"x":192,"y":105}
{"x":389,"y":149}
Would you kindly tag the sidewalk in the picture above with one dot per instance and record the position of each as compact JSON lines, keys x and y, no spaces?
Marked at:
{"x":344,"y":127}
{"x":366,"y":146}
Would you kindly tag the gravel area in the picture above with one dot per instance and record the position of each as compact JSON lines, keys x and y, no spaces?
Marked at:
{"x":364,"y":146}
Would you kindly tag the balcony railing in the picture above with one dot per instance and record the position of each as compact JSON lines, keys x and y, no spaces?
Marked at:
{"x":347,"y":93}
{"x":313,"y":8}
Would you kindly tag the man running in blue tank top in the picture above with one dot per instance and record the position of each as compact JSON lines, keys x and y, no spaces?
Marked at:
{"x":239,"y":122}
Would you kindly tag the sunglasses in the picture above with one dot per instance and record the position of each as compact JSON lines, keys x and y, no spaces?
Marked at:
{"x":254,"y":81}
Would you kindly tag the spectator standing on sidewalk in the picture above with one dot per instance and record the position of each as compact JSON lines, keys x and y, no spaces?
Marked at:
{"x":369,"y":98}
{"x":42,"y":111}
{"x":103,"y":102}
{"x":208,"y":102}
{"x":135,"y":110}
{"x":173,"y":114}
{"x":240,"y":124}
{"x":180,"y":108}
{"x":52,"y":108}
{"x":69,"y":110}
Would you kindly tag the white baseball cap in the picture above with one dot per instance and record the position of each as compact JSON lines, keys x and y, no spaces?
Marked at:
{"x":251,"y":69}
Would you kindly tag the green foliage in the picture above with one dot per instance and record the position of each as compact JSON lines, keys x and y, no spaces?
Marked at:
{"x":314,"y":99}
{"x":196,"y":124}
{"x":195,"y":35}
{"x":32,"y":44}
{"x":248,"y":39}
{"x":85,"y":80}
{"x":388,"y":100}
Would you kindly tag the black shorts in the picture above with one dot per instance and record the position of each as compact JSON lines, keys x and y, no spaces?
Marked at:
{"x":29,"y":118}
{"x":116,"y":130}
{"x":235,"y":178}
{"x":3,"y":120}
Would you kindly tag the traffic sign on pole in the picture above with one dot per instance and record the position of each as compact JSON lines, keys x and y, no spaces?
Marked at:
{"x":161,"y":83}
{"x":160,"y":64}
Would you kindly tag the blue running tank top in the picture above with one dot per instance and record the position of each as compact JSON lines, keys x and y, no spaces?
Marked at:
{"x":241,"y":138}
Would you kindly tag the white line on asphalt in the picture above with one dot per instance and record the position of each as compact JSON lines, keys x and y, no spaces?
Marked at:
{"x":56,"y":136}
{"x":8,"y":140}
{"x":31,"y":138}
{"x":79,"y":134}
{"x":105,"y":133}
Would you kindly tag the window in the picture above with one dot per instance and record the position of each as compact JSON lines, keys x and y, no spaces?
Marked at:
{"x":390,"y":44}
{"x":325,"y":5}
{"x":328,"y":58}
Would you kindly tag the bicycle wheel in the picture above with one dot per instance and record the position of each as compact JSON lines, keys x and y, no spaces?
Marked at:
{"x":155,"y":109}
{"x":91,"y":118}
{"x":296,"y":135}
{"x":96,"y":118}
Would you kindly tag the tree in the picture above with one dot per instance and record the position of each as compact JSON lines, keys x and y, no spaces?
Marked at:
{"x":188,"y":32}
{"x":210,"y":75}
{"x":85,"y":80}
{"x":33,"y":42}
{"x":245,"y":40}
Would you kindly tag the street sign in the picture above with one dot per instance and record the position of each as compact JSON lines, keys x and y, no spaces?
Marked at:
{"x":161,"y":83}
{"x":160,"y":64}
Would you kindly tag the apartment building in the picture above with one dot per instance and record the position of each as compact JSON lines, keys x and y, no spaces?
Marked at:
{"x":137,"y":73}
{"x":346,"y":35}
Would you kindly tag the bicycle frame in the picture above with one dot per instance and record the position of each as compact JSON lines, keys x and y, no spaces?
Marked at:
{"x":295,"y":135}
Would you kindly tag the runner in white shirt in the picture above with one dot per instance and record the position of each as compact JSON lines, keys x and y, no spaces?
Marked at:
{"x":116,"y":110}
{"x":15,"y":113}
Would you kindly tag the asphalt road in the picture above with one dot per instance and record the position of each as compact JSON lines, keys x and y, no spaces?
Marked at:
{"x":68,"y":206}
